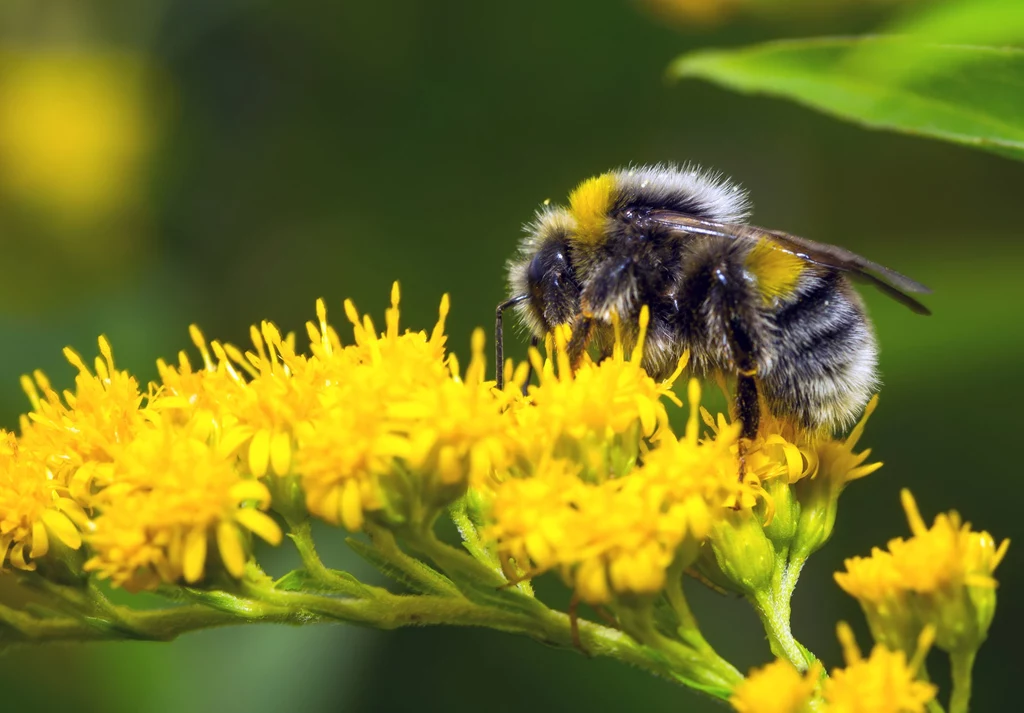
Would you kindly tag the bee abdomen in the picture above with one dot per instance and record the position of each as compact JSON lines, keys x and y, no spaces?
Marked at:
{"x":825,"y":357}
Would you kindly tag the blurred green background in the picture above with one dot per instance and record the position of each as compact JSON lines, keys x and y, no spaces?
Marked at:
{"x":223,"y":162}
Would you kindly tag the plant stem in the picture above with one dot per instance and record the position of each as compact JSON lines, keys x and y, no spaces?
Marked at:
{"x":153,"y":625}
{"x":301,"y":535}
{"x":417,"y":572}
{"x":703,"y":670}
{"x":962,"y":663}
{"x":773,"y":608}
{"x":774,"y":613}
{"x":551,"y":627}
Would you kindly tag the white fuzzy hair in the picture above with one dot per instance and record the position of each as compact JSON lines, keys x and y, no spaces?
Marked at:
{"x":713,"y":195}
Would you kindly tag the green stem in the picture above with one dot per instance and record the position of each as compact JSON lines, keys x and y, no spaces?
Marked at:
{"x":152,"y":625}
{"x":301,"y":535}
{"x":688,"y":630}
{"x":790,"y":574}
{"x":932,"y":706}
{"x":703,"y":670}
{"x":418,"y":573}
{"x":774,"y":609}
{"x":459,"y":513}
{"x":262,"y":603}
{"x":962,"y":663}
{"x":774,"y":613}
{"x":457,"y":564}
{"x":392,"y":611}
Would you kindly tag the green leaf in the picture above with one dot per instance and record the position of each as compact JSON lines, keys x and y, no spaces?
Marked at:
{"x":974,"y":98}
{"x":974,"y":22}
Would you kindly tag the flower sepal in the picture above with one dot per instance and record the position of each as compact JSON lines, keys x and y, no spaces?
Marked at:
{"x":742,"y":552}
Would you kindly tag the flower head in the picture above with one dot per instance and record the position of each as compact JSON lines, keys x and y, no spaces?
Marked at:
{"x":942,"y":576}
{"x":33,"y":508}
{"x":78,"y":435}
{"x":173,"y":491}
{"x":617,"y":535}
{"x":885,"y":682}
{"x":776,"y":688}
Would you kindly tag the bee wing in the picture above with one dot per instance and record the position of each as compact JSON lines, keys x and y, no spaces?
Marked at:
{"x":889,"y":281}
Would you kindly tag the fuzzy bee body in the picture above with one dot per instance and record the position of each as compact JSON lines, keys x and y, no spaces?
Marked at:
{"x":776,"y":311}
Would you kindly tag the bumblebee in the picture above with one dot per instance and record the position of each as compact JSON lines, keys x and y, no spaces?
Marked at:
{"x":776,"y":311}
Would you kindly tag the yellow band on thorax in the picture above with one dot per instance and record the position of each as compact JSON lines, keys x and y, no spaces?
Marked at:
{"x":590,"y":204}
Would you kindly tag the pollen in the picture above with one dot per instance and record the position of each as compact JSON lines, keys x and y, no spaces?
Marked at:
{"x":590,"y":204}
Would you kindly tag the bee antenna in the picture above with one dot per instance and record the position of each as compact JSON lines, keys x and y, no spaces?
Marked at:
{"x":499,"y":353}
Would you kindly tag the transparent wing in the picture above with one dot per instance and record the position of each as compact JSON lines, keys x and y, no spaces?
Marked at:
{"x":890,"y":282}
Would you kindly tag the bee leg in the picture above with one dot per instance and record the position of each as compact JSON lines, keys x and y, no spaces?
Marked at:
{"x":747,"y":407}
{"x":579,"y":340}
{"x":499,"y":336}
{"x":534,"y":341}
{"x":748,"y":410}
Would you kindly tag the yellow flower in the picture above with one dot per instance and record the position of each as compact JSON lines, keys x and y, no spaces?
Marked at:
{"x":813,"y":497}
{"x":885,"y":682}
{"x":598,"y":414}
{"x":342,"y":453}
{"x":79,"y":436}
{"x":397,"y":430}
{"x":942,"y":576}
{"x":617,"y":535}
{"x":776,"y":688}
{"x":74,"y":130}
{"x":33,"y":508}
{"x":456,"y":428}
{"x":603,"y":538}
{"x":172,"y":491}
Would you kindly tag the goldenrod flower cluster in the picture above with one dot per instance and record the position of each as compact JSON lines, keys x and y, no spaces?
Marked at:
{"x":581,"y":474}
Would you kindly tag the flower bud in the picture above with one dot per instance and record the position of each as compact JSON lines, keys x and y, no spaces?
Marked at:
{"x":742,"y":552}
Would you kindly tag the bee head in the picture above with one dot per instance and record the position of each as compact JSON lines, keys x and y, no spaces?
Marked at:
{"x":543,"y":271}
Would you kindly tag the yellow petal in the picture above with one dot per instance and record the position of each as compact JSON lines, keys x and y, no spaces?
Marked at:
{"x":40,"y":542}
{"x":351,"y":507}
{"x":61,"y":525}
{"x":18,"y":557}
{"x":75,"y":513}
{"x":194,"y":555}
{"x":229,"y":542}
{"x":259,"y":523}
{"x":259,"y":453}
{"x":281,"y":452}
{"x":231,"y":440}
{"x":251,"y":490}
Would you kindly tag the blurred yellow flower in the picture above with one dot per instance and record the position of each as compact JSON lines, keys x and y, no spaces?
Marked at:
{"x":74,"y":129}
{"x":885,"y":682}
{"x":776,"y":688}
